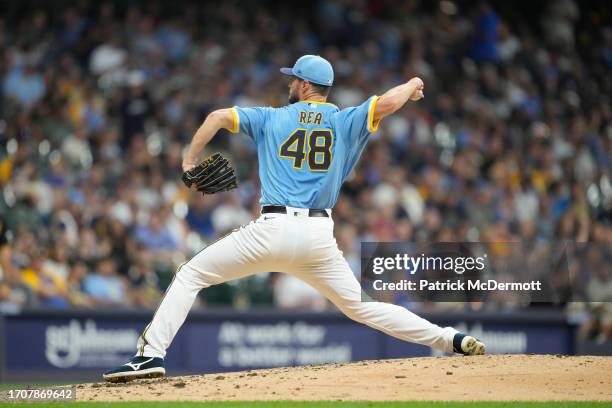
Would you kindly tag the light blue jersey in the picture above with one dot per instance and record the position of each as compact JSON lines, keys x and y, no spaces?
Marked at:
{"x":307,"y":149}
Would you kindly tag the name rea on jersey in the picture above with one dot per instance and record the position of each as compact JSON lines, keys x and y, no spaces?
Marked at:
{"x":308,"y":118}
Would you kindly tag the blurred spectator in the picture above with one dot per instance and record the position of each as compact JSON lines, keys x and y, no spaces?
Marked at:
{"x":143,"y":284}
{"x":599,"y":293}
{"x":6,"y":251}
{"x":77,"y":295}
{"x":485,"y":42}
{"x":155,"y":236}
{"x":135,"y":107}
{"x":51,"y":289}
{"x":12,"y":291}
{"x":24,"y":84}
{"x":104,"y":286}
{"x":108,"y":56}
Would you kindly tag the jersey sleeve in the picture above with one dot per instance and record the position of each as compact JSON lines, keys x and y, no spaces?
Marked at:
{"x":357,"y":122}
{"x":250,"y":121}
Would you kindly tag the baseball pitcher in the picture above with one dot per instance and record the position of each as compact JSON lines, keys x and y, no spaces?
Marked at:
{"x":306,"y":150}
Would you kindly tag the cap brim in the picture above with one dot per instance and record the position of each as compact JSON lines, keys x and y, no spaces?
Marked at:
{"x":287,"y":71}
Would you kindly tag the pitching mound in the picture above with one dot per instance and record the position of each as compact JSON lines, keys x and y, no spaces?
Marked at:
{"x":492,"y":378}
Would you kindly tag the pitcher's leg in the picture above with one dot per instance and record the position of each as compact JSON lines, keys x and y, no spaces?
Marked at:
{"x":337,"y":282}
{"x":229,"y":258}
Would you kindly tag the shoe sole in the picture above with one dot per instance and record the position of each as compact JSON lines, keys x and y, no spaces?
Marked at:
{"x":154,"y":372}
{"x":474,"y":347}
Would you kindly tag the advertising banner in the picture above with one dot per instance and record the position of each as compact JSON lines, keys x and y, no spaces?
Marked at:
{"x":63,"y":345}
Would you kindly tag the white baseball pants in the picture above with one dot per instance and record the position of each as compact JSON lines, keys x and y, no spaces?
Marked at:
{"x":293,"y":243}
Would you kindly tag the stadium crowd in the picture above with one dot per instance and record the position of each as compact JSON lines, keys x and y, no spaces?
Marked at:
{"x":513,"y":140}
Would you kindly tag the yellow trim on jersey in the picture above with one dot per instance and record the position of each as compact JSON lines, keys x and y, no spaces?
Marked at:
{"x":373,"y":125}
{"x":236,"y":126}
{"x":322,"y":103}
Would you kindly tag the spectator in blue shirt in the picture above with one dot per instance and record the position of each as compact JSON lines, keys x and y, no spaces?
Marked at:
{"x":155,"y":236}
{"x":105,"y":286}
{"x":24,"y":85}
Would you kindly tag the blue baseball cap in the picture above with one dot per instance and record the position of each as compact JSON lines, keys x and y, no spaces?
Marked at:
{"x":312,"y":68}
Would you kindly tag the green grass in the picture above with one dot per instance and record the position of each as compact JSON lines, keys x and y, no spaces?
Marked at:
{"x":293,"y":404}
{"x":319,"y":404}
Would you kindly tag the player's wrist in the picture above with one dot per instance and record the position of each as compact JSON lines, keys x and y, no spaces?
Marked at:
{"x":188,"y":165}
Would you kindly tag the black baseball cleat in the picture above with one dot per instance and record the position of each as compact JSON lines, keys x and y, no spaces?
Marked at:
{"x":468,"y":345}
{"x":136,"y":368}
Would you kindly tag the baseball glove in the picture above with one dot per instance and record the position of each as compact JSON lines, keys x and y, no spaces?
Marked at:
{"x":211,"y":176}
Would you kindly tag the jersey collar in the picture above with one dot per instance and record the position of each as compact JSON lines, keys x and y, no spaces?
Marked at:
{"x":321,"y":103}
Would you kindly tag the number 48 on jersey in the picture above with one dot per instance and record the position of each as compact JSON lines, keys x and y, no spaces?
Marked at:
{"x":319,"y":149}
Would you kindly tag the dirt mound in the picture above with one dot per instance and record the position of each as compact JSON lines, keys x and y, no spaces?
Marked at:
{"x":499,"y":378}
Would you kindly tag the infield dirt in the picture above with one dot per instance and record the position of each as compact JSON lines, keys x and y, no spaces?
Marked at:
{"x":476,"y":378}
